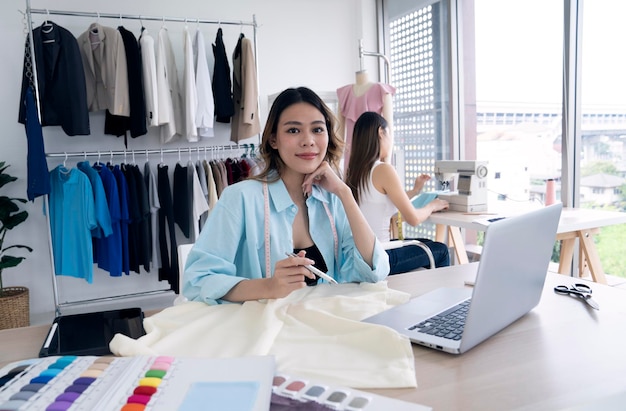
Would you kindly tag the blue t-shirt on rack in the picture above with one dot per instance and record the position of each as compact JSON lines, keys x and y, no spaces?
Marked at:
{"x":72,"y":217}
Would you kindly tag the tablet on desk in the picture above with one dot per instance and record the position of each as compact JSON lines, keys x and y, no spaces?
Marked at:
{"x":486,"y":221}
{"x":91,"y":333}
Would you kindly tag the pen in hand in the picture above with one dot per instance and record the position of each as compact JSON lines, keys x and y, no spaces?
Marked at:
{"x":315,"y":271}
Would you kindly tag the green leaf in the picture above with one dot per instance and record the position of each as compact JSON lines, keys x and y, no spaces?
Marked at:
{"x":15,"y":220}
{"x":7,"y":204}
{"x":18,"y":246}
{"x":6,"y":179}
{"x":8,"y":261}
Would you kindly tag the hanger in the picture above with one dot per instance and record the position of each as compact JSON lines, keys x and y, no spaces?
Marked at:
{"x":94,"y":29}
{"x":65,"y":160}
{"x":47,"y":26}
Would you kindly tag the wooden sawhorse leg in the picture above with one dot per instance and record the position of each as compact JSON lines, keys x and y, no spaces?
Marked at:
{"x":588,"y":254}
{"x":455,"y":239}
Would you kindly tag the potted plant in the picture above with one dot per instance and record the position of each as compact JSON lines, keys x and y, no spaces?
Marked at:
{"x":14,"y":301}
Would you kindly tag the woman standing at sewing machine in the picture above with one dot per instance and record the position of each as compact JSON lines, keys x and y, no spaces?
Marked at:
{"x":378,"y":191}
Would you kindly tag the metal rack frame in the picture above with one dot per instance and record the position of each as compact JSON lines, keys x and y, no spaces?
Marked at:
{"x":363,"y":52}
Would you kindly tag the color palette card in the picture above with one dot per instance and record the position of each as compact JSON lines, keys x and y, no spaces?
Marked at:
{"x":161,"y":383}
{"x":164,"y":383}
{"x":338,"y":398}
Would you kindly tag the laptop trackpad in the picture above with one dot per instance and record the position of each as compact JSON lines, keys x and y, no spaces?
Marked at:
{"x":436,"y":301}
{"x":421,"y":307}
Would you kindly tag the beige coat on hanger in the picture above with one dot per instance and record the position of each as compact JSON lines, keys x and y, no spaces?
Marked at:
{"x":106,"y":73}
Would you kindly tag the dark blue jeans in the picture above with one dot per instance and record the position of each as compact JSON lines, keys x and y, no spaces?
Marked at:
{"x":412,"y":257}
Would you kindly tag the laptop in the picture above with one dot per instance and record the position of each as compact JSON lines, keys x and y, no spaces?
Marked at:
{"x":509,"y":282}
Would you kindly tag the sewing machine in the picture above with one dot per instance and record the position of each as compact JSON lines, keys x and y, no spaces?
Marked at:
{"x":466,"y":182}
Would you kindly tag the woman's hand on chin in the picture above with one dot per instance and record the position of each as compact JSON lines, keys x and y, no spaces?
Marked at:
{"x":324,"y":177}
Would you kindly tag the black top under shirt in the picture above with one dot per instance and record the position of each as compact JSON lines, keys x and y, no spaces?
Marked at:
{"x":314,"y":254}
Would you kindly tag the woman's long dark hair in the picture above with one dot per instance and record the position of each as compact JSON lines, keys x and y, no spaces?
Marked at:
{"x":365,"y":151}
{"x":273,"y":163}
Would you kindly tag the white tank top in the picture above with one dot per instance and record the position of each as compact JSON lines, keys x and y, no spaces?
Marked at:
{"x":377,"y":208}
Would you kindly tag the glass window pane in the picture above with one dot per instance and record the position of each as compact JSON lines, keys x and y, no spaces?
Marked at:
{"x":603,"y":151}
{"x":519,"y":66}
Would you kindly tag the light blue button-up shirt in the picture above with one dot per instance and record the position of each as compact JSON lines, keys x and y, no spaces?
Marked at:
{"x":231,"y":245}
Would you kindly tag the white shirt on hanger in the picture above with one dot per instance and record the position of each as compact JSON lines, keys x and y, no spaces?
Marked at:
{"x":205,"y":116}
{"x":168,"y":89}
{"x":190,"y":93}
{"x":150,"y":91}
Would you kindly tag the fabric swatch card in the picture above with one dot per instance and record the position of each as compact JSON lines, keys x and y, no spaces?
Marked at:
{"x":224,"y":396}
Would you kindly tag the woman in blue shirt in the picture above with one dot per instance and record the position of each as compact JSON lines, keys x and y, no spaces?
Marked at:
{"x":298,"y":204}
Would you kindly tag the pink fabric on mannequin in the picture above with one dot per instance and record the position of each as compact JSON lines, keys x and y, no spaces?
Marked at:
{"x":352,"y":106}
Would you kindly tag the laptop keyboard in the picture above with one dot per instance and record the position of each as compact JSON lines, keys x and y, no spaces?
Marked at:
{"x":447,"y":324}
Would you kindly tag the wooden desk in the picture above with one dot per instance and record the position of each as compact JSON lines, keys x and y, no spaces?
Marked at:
{"x":575,"y":223}
{"x":562,"y":354}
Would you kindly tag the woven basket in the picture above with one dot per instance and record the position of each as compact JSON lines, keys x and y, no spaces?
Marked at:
{"x":14,"y":308}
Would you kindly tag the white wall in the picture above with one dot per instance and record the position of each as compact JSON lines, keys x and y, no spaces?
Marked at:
{"x":310,"y":43}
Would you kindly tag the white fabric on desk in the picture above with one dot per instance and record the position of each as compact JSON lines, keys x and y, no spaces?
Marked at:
{"x":314,"y":333}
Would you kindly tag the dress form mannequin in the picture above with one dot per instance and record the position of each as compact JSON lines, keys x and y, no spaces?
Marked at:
{"x":362,"y":83}
{"x":358,"y":90}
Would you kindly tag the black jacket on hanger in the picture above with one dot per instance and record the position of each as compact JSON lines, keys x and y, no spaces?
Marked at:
{"x":136,"y":123}
{"x":60,"y":79}
{"x":169,"y":257}
{"x":222,"y":85}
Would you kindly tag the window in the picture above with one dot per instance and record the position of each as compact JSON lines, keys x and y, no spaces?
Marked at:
{"x":603,"y":157}
{"x":502,"y":100}
{"x":518,"y":82}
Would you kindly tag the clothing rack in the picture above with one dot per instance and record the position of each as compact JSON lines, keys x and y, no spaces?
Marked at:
{"x":28,"y":17}
{"x":30,"y":11}
{"x":249,"y":149}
